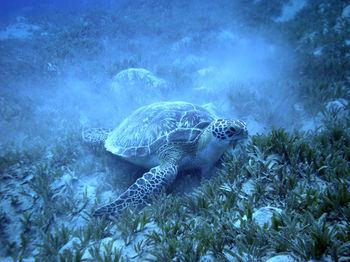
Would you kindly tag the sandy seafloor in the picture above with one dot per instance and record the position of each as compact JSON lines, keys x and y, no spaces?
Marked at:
{"x":65,"y":67}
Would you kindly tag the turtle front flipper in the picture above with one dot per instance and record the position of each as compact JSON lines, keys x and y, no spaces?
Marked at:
{"x":140,"y":193}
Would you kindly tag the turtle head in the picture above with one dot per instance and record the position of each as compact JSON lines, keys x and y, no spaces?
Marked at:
{"x":228,"y":130}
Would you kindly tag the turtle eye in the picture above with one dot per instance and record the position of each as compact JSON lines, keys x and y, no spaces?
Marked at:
{"x":232,"y":129}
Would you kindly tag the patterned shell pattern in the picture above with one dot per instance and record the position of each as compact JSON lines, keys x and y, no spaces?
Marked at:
{"x":150,"y":127}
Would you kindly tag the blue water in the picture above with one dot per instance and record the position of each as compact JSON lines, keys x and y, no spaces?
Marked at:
{"x":67,"y":66}
{"x":10,"y":9}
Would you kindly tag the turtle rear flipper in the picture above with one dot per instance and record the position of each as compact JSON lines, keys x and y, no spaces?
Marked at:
{"x":141,"y":192}
{"x":95,"y":135}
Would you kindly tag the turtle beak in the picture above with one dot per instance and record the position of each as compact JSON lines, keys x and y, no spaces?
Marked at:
{"x":243,"y":134}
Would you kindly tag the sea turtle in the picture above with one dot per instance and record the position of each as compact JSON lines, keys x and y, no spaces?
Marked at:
{"x":165,"y":137}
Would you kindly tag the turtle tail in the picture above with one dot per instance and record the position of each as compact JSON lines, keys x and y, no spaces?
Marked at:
{"x":141,"y":192}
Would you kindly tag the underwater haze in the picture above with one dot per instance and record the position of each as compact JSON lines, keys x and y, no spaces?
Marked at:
{"x":280,"y":66}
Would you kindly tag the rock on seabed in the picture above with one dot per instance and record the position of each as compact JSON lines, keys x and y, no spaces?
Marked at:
{"x":262,"y":216}
{"x":138,"y":86}
{"x":281,"y":258}
{"x":19,"y":30}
